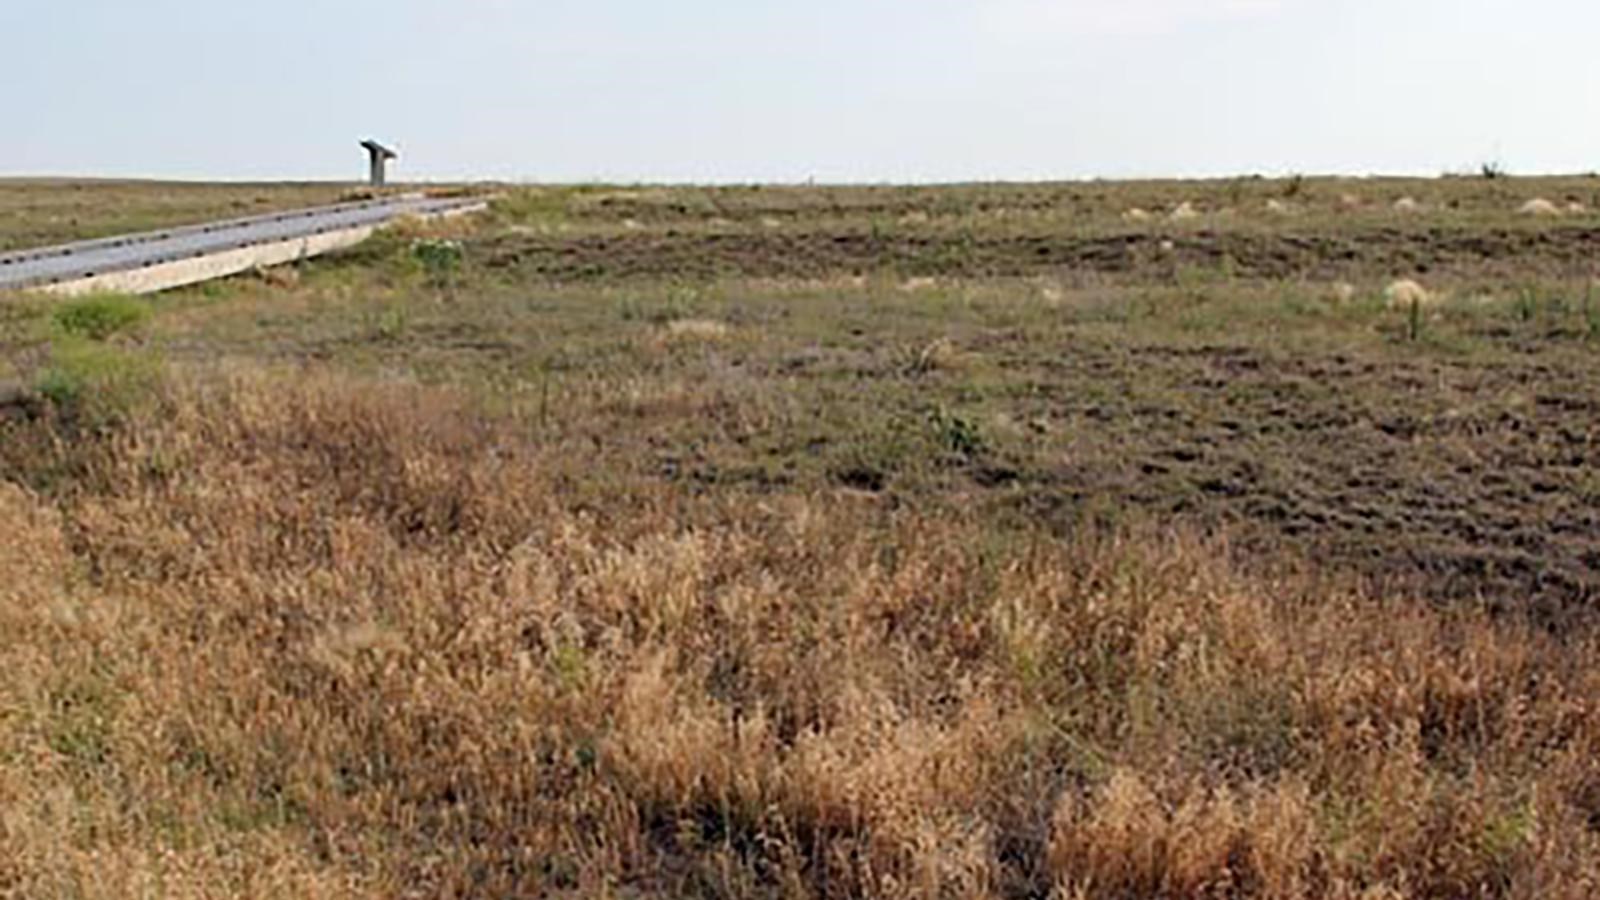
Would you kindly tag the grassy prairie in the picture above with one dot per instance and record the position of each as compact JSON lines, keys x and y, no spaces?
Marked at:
{"x":824,"y":542}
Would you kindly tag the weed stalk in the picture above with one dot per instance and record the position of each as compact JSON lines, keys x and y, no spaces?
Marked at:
{"x":1591,"y":316}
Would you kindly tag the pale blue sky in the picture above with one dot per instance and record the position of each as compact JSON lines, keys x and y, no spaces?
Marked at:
{"x":836,"y":90}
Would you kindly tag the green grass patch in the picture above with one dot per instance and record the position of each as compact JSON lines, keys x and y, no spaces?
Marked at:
{"x":102,"y":316}
{"x":97,"y":382}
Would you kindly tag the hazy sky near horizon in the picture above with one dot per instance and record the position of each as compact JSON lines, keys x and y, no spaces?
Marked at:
{"x":832,"y":90}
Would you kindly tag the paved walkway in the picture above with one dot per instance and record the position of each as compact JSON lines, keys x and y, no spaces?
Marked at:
{"x":72,"y":262}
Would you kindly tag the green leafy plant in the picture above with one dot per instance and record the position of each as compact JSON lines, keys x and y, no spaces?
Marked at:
{"x":391,"y":323}
{"x":440,"y":259}
{"x":99,"y":317}
{"x":956,"y":433}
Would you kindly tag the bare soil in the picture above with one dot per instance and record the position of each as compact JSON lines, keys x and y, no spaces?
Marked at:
{"x":1135,"y":256}
{"x":1456,"y":480}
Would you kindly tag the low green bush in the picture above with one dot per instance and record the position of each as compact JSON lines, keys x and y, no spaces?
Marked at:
{"x":101,"y":316}
{"x":440,"y":259}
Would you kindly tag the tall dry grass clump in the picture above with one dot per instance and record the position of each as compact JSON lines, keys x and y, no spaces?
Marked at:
{"x":307,"y":636}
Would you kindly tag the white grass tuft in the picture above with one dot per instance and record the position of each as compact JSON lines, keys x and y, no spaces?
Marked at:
{"x":698,"y":330}
{"x":1184,"y":212}
{"x":1405,"y":292}
{"x":1136,"y":215}
{"x":1539,"y":206}
{"x":1407,"y":205}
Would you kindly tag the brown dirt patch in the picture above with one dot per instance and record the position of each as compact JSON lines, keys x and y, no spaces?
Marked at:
{"x":815,"y":254}
{"x":1458,"y":481}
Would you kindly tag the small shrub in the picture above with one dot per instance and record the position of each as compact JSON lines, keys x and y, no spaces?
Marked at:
{"x":99,"y":317}
{"x":440,"y":259}
{"x":390,"y":323}
{"x":957,"y":434}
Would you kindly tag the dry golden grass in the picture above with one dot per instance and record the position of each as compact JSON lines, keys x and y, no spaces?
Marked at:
{"x":691,"y":330}
{"x":303,"y":635}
